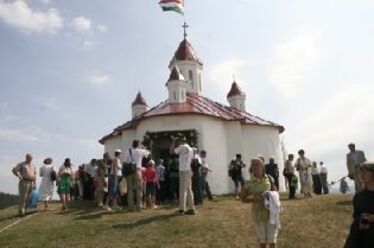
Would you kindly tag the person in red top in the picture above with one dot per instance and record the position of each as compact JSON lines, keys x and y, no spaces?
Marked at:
{"x":150,"y":178}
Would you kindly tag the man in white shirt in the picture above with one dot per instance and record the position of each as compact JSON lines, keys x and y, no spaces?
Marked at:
{"x":134,"y":181}
{"x":289,"y":173}
{"x":204,"y":173}
{"x":185,"y":153}
{"x":323,"y":176}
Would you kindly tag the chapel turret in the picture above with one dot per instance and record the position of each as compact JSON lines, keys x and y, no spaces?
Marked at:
{"x":139,"y":106}
{"x":177,"y":87}
{"x":189,"y":65}
{"x":236,"y":97}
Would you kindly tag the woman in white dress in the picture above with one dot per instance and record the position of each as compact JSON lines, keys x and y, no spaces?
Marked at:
{"x":304,"y":166}
{"x":47,"y":184}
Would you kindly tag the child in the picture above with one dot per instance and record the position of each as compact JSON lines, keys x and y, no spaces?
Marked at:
{"x":150,"y":178}
{"x":343,"y":186}
{"x":362,"y":229}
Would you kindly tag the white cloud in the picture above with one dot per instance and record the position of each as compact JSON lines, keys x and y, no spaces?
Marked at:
{"x":88,"y":44}
{"x":292,"y":61}
{"x":221,"y":74}
{"x":98,"y":79}
{"x":20,"y":135}
{"x":46,"y":1}
{"x":102,"y":28}
{"x":3,"y":106}
{"x":20,"y":15}
{"x":6,"y":162}
{"x":48,"y":103}
{"x":92,"y":144}
{"x":81,"y":24}
{"x":345,"y":118}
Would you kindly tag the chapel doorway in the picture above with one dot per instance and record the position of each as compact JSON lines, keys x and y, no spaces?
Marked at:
{"x":159,"y":142}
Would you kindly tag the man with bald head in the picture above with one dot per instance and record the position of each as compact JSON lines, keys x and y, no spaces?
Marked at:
{"x":26,"y":173}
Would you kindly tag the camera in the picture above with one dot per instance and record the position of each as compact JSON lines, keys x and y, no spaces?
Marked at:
{"x":364,"y":222}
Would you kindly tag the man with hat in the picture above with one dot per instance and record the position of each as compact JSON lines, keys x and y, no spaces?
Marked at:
{"x":26,"y":173}
{"x":354,"y":159}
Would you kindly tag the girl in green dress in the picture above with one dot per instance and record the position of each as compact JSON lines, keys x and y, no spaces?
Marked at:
{"x":65,"y":182}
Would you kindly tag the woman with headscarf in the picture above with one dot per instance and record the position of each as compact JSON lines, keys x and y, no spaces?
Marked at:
{"x":304,"y":165}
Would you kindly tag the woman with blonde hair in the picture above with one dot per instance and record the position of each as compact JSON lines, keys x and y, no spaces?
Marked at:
{"x":48,"y":175}
{"x":255,"y":191}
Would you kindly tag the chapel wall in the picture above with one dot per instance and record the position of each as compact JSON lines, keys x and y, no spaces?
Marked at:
{"x":112,"y":144}
{"x":214,"y":141}
{"x":263,"y":140}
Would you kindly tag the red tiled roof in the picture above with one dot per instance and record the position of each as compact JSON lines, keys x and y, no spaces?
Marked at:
{"x":175,"y":74}
{"x":185,"y":51}
{"x":139,"y":100}
{"x":199,"y":105}
{"x":235,"y":90}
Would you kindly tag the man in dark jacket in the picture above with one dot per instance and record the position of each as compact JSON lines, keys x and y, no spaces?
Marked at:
{"x":272,"y":169}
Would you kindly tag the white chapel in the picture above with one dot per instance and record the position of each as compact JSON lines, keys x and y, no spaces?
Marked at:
{"x":222,"y":130}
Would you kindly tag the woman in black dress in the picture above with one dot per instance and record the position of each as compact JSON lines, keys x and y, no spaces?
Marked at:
{"x":196,"y":178}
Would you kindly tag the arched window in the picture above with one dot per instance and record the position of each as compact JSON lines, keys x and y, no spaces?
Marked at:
{"x":200,"y":81}
{"x":175,"y":95}
{"x":182,"y":95}
{"x":190,"y":77}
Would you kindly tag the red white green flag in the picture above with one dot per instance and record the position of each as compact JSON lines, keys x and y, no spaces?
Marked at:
{"x":172,"y":5}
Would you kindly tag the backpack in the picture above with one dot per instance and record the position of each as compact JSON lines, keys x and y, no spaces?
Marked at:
{"x":129,"y":168}
{"x":231,"y":170}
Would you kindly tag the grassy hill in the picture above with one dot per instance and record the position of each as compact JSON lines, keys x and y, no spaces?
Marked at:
{"x":7,"y":200}
{"x":321,"y":221}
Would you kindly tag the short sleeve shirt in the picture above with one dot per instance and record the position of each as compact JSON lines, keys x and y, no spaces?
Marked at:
{"x":185,"y":156}
{"x":136,"y":156}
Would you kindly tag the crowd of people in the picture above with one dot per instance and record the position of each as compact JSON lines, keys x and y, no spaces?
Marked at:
{"x":130,"y":179}
{"x":137,"y":182}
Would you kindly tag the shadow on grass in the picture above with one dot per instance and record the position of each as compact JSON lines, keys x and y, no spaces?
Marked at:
{"x":344,"y":203}
{"x":80,"y":208}
{"x":294,"y":199}
{"x":15,"y":216}
{"x":146,"y":221}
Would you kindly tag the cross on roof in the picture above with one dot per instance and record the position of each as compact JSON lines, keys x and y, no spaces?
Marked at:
{"x":185,"y":26}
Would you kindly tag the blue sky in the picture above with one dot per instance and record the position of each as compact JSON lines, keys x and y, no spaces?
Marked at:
{"x":69,"y":71}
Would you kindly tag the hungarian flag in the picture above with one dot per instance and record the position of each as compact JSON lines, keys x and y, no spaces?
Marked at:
{"x":172,"y":5}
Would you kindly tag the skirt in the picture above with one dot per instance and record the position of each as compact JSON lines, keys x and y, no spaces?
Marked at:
{"x":64,"y":184}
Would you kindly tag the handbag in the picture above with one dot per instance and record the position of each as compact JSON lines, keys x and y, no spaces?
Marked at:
{"x":129,"y":168}
{"x":53,"y":175}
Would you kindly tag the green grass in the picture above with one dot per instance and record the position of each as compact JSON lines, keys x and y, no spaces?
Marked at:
{"x":321,"y":221}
